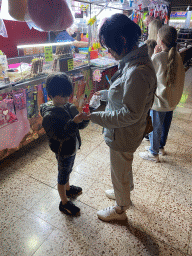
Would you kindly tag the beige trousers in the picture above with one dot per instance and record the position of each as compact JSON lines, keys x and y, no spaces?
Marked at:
{"x":122,"y":177}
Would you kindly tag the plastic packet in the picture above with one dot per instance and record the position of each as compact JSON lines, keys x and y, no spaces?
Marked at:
{"x":95,"y":101}
{"x":3,"y":31}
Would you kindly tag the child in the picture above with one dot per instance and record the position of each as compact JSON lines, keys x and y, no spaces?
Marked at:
{"x":170,"y":74}
{"x":151,"y":43}
{"x":62,"y":122}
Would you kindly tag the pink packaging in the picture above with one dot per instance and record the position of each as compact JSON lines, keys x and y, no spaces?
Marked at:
{"x":7,"y":113}
{"x":19,"y":98}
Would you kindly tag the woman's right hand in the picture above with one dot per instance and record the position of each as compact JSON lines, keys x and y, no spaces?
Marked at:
{"x":80,"y":117}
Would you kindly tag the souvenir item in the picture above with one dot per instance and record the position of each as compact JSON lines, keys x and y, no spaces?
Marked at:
{"x":7,"y":113}
{"x":50,"y":15}
{"x":17,"y":9}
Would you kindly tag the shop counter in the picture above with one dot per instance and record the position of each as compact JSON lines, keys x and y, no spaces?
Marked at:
{"x":20,"y":120}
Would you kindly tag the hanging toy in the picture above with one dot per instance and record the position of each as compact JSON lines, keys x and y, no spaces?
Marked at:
{"x":49,"y":16}
{"x":17,"y":9}
{"x":91,"y":21}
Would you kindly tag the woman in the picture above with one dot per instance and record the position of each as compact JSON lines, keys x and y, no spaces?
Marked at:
{"x":128,"y":99}
{"x":170,"y":82}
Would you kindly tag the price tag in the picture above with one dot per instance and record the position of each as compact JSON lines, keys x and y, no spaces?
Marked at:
{"x":48,"y":53}
{"x":70,"y":64}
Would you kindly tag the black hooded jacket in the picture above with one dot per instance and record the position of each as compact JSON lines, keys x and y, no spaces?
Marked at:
{"x":60,"y":129}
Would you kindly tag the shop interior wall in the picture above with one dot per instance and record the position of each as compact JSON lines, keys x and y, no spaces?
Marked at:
{"x":19,"y":33}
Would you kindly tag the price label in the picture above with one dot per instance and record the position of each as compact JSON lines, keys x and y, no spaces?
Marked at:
{"x":70,"y":64}
{"x":48,"y":53}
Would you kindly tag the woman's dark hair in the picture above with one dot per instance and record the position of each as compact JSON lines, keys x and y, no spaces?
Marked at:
{"x":115,"y":29}
{"x":58,"y":84}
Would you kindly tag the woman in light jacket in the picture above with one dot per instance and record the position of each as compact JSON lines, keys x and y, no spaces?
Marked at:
{"x":129,"y":98}
{"x":170,"y":73}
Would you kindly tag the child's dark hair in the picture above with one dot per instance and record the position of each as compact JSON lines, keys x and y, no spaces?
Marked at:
{"x":58,"y":84}
{"x":117,"y":28}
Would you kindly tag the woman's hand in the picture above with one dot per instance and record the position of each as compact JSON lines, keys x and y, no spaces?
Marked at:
{"x":157,"y":49}
{"x":80,"y":117}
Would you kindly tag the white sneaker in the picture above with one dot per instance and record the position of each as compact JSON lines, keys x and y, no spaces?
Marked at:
{"x":111,"y":194}
{"x":109,"y":214}
{"x":148,"y":156}
{"x":161,"y":150}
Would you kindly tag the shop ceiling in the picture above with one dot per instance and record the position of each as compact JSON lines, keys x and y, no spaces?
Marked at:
{"x":180,"y":5}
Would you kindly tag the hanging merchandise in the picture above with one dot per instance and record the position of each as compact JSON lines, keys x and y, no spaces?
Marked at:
{"x":3,"y":31}
{"x":3,"y":66}
{"x":19,"y":99}
{"x":7,"y":113}
{"x":17,"y":9}
{"x":32,"y":105}
{"x":97,"y":75}
{"x":50,"y":15}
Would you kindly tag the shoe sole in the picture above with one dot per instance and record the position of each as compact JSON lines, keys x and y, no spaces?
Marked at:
{"x":151,"y":159}
{"x":108,"y":220}
{"x":69,"y":214}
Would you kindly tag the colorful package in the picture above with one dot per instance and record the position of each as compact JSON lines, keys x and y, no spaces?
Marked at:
{"x":19,"y":98}
{"x":31,"y":98}
{"x":7,"y":113}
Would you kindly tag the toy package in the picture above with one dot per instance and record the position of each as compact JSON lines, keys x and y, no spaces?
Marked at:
{"x":7,"y":112}
{"x":19,"y":98}
{"x":31,"y":98}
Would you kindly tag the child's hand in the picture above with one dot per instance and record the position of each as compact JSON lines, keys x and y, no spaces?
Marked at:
{"x":80,"y":117}
{"x":157,"y":49}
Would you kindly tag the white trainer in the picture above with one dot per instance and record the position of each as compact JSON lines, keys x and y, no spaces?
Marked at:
{"x":148,"y":156}
{"x":161,"y":150}
{"x":109,"y":214}
{"x":111,"y":194}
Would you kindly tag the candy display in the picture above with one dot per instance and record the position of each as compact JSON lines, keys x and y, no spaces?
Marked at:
{"x":37,"y":66}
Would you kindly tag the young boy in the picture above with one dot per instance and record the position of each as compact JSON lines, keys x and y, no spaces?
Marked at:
{"x":62,"y":121}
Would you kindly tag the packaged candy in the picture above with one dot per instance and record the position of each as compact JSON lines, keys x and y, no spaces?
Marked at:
{"x":86,"y":108}
{"x":95,"y":101}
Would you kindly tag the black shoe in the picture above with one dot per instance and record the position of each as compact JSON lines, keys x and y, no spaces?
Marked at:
{"x":69,"y":208}
{"x":74,"y":191}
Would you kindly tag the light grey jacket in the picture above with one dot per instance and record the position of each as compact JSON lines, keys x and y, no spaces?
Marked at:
{"x":129,"y":98}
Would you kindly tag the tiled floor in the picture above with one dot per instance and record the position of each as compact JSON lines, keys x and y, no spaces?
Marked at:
{"x":159,"y":222}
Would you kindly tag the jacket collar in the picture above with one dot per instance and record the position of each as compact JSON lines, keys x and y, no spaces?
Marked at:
{"x":140,"y":55}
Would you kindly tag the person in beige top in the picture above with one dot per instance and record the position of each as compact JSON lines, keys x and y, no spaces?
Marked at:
{"x":170,"y":74}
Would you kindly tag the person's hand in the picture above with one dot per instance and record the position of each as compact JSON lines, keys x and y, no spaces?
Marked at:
{"x":157,"y":49}
{"x":80,"y":117}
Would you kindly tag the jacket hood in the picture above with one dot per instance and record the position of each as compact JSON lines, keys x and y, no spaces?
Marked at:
{"x":49,"y":107}
{"x":138,"y":56}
